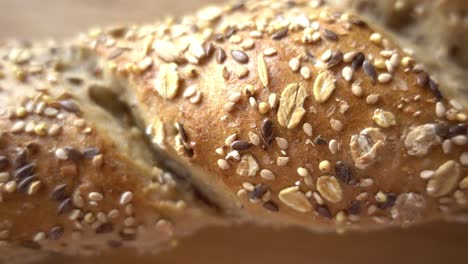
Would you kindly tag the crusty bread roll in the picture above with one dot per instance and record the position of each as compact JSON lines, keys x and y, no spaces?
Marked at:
{"x":76,"y":176}
{"x":278,"y":112}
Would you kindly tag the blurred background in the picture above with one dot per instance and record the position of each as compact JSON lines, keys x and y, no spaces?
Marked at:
{"x":435,"y":243}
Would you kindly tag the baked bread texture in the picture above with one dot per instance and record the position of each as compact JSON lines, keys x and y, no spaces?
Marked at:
{"x":439,"y":28}
{"x":281,"y":113}
{"x":76,"y":176}
{"x":293,"y":113}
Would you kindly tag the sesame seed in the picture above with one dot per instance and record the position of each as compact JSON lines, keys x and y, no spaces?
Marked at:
{"x":372,"y":99}
{"x":18,"y":126}
{"x":252,"y":102}
{"x":10,"y":187}
{"x":61,"y":154}
{"x":333,"y":145}
{"x":447,"y":146}
{"x":464,"y":158}
{"x":267,"y":175}
{"x":459,"y":140}
{"x":282,"y":143}
{"x":272,"y":100}
{"x":254,"y":138}
{"x":457,"y":105}
{"x":230,"y":139}
{"x":326,"y":56}
{"x":305,"y":72}
{"x":294,"y":64}
{"x":95,"y":196}
{"x":223,"y":164}
{"x":347,"y":73}
{"x":247,"y":44}
{"x":248,"y":186}
{"x":302,"y":172}
{"x":126,"y":198}
{"x":282,"y":161}
{"x":336,"y":125}
{"x":385,"y":77}
{"x":426,"y":174}
{"x":269,"y":52}
{"x":376,"y":38}
{"x":356,"y":90}
{"x":349,"y":56}
{"x":440,"y":109}
{"x":318,"y":198}
{"x":308,"y":130}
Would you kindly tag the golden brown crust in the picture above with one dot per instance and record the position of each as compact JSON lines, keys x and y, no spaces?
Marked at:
{"x":323,"y":79}
{"x":67,"y":183}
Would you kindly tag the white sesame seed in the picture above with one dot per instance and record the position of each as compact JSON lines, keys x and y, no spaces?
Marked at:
{"x":282,"y":143}
{"x":426,"y":174}
{"x":459,"y":140}
{"x":318,"y":198}
{"x":10,"y":187}
{"x":282,"y":161}
{"x":336,"y":125}
{"x":113,"y":214}
{"x":464,"y":158}
{"x":395,"y":60}
{"x":50,"y":111}
{"x":384,"y":77}
{"x":302,"y":172}
{"x":230,"y":139}
{"x":272,"y":100}
{"x":294,"y":64}
{"x":367,"y":182}
{"x":326,"y":56}
{"x":223,"y":164}
{"x":126,"y":198}
{"x":376,"y":38}
{"x":308,"y":130}
{"x":18,"y":127}
{"x":248,"y":186}
{"x":34,"y":187}
{"x":229,"y":106}
{"x":347,"y":73}
{"x":219,"y":151}
{"x":440,"y":109}
{"x":254,"y":138}
{"x":235,"y":97}
{"x":389,"y":66}
{"x":349,"y":56}
{"x":381,"y":197}
{"x":190,"y":91}
{"x":333,"y":145}
{"x":95,"y":196}
{"x":305,"y":72}
{"x":372,"y":99}
{"x":267,"y":175}
{"x":356,"y":90}
{"x":61,"y":154}
{"x":253,"y":102}
{"x":269,"y":52}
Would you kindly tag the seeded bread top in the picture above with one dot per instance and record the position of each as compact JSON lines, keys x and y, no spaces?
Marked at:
{"x":301,"y":114}
{"x":73,"y":178}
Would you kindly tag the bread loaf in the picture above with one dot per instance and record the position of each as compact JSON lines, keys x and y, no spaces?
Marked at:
{"x":76,"y":176}
{"x":281,"y":113}
{"x":293,"y":113}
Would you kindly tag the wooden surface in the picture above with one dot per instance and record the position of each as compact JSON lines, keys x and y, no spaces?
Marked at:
{"x":447,"y":243}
